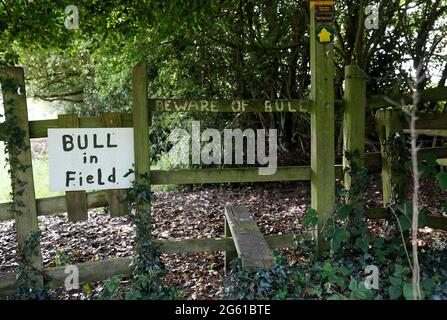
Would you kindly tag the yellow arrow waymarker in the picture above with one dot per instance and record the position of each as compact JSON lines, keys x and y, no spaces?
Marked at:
{"x":325,"y":36}
{"x":324,"y":33}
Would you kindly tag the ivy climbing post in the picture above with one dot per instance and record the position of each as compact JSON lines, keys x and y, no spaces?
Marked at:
{"x":353,"y":123}
{"x":17,"y":140}
{"x":141,"y":121}
{"x":390,"y":131}
{"x":322,"y":118}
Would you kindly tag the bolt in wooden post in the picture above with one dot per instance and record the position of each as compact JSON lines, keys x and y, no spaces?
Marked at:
{"x":389,"y":122}
{"x":26,"y":217}
{"x":141,"y":120}
{"x":77,"y":208}
{"x":354,"y":117}
{"x":117,"y":206}
{"x":322,"y":128}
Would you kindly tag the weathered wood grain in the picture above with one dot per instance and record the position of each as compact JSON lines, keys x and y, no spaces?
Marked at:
{"x":229,"y":255}
{"x":390,"y":122}
{"x":25,"y":214}
{"x":77,"y":208}
{"x":115,"y":198}
{"x":227,"y":105}
{"x":354,"y":117}
{"x":322,"y":118}
{"x":250,"y":244}
{"x":104,"y":269}
{"x":141,"y":121}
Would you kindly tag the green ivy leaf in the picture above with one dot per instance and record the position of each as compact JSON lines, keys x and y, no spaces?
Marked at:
{"x":428,"y":166}
{"x":338,"y":237}
{"x":353,"y":285}
{"x":400,"y":271}
{"x":378,"y":242}
{"x":408,"y":291}
{"x":362,"y":244}
{"x":406,"y":208}
{"x":428,"y":285}
{"x":112,"y":286}
{"x":311,"y":218}
{"x":404,"y":222}
{"x":341,"y":234}
{"x":421,"y":218}
{"x":406,"y":219}
{"x":335,"y":244}
{"x":363,"y":293}
{"x":344,"y":211}
{"x":442,"y":180}
{"x":395,"y":292}
{"x":395,"y":281}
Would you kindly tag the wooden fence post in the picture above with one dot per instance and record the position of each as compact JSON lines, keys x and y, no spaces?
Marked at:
{"x":322,"y":124}
{"x":117,"y":206}
{"x":229,"y":255}
{"x":389,"y":122}
{"x":354,"y":118}
{"x":141,"y":120}
{"x":14,"y":99}
{"x":77,"y":208}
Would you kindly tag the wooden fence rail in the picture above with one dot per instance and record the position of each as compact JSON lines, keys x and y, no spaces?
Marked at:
{"x":39,"y":128}
{"x":181,"y":105}
{"x":428,"y":95}
{"x":53,"y":205}
{"x":97,"y":199}
{"x":392,"y":121}
{"x":104,"y":269}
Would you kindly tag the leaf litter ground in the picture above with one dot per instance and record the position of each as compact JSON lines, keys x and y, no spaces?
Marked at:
{"x":197,"y":213}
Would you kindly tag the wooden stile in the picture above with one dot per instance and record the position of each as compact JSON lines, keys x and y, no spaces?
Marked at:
{"x":250,"y":244}
{"x":77,"y":208}
{"x":242,"y":236}
{"x":92,"y":271}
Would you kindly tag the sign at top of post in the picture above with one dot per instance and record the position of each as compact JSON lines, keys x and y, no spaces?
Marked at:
{"x":314,"y":3}
{"x":324,"y":13}
{"x":90,"y":159}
